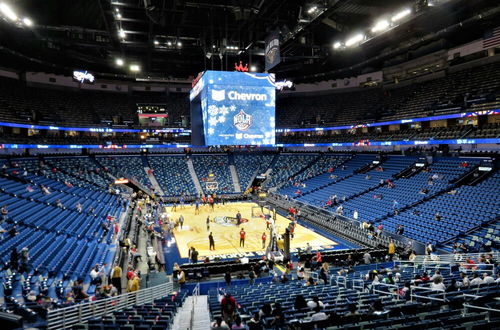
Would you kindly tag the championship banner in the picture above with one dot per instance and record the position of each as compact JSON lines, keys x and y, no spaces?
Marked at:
{"x":272,"y":50}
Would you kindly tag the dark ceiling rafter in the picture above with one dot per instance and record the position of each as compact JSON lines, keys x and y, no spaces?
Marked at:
{"x":199,"y":24}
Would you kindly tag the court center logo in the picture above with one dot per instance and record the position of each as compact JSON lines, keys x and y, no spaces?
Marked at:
{"x":218,"y":95}
{"x":242,"y":121}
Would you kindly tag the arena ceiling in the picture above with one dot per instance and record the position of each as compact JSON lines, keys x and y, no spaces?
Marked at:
{"x":177,"y":38}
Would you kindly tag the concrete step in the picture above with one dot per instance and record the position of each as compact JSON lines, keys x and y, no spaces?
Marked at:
{"x":154,"y":182}
{"x":235,"y":178}
{"x":194,"y":176}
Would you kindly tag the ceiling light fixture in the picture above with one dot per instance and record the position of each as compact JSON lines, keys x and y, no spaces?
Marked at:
{"x":8,"y":12}
{"x":27,"y":21}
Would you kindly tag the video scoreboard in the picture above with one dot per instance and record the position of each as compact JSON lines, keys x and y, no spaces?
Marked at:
{"x":233,"y":108}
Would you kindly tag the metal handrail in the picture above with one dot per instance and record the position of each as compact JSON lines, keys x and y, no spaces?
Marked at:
{"x":412,"y":295}
{"x":66,"y":317}
{"x":195,"y":294}
{"x":395,"y":289}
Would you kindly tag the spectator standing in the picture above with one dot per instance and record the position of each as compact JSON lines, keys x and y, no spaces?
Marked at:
{"x":227,"y":278}
{"x":181,"y":220}
{"x":228,"y":307}
{"x":242,"y":237}
{"x":367,"y":257}
{"x":391,"y":250}
{"x":211,"y":242}
{"x":133,"y":284}
{"x":116,"y":278}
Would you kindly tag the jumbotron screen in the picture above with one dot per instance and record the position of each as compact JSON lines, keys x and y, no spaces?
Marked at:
{"x":233,"y":108}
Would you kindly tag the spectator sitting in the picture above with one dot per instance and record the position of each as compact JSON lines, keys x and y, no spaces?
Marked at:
{"x":487,"y":279}
{"x":255,"y":323}
{"x":279,"y":318}
{"x":315,"y":302}
{"x":437,"y":284}
{"x":476,"y":280}
{"x":13,"y":231}
{"x":437,"y":274}
{"x":455,"y":286}
{"x":238,"y":324}
{"x":310,"y":282}
{"x":405,"y":291}
{"x":465,"y":280}
{"x":300,"y":302}
{"x":45,"y":190}
{"x":265,"y":311}
{"x":352,"y":310}
{"x":377,"y":307}
{"x":318,"y":315}
{"x":389,"y":279}
{"x":219,"y":324}
{"x":423,"y":191}
{"x":31,"y":296}
{"x":94,"y":275}
{"x":424,"y":277}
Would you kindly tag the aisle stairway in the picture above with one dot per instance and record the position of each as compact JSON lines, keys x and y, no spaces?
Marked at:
{"x":197,"y":307}
{"x":194,"y":177}
{"x":154,"y":182}
{"x":236,"y":180}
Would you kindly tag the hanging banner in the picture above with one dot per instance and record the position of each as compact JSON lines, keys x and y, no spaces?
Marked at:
{"x":272,"y":50}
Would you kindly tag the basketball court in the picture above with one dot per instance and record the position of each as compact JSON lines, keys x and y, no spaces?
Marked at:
{"x":226,"y":233}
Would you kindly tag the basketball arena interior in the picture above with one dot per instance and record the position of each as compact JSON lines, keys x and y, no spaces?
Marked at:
{"x":249,"y":164}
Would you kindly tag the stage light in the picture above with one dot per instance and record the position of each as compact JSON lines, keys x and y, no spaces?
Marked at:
{"x":135,"y":68}
{"x":401,"y":15}
{"x":119,"y":62}
{"x":27,"y":21}
{"x":169,"y":43}
{"x":337,"y":45}
{"x":119,"y":16}
{"x":354,"y":40}
{"x":179,"y":44}
{"x":156,"y":42}
{"x":213,"y":46}
{"x":8,"y":12}
{"x":122,"y":34}
{"x":380,"y":26}
{"x":253,"y":68}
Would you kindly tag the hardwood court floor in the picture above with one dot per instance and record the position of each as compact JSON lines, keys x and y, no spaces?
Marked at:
{"x":194,"y":231}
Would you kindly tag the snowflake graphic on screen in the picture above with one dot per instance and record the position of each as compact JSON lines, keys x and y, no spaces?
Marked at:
{"x":232,"y":108}
{"x":213,"y":110}
{"x":212,"y":121}
{"x":222,"y":119}
{"x":211,"y":131}
{"x":223,"y":110}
